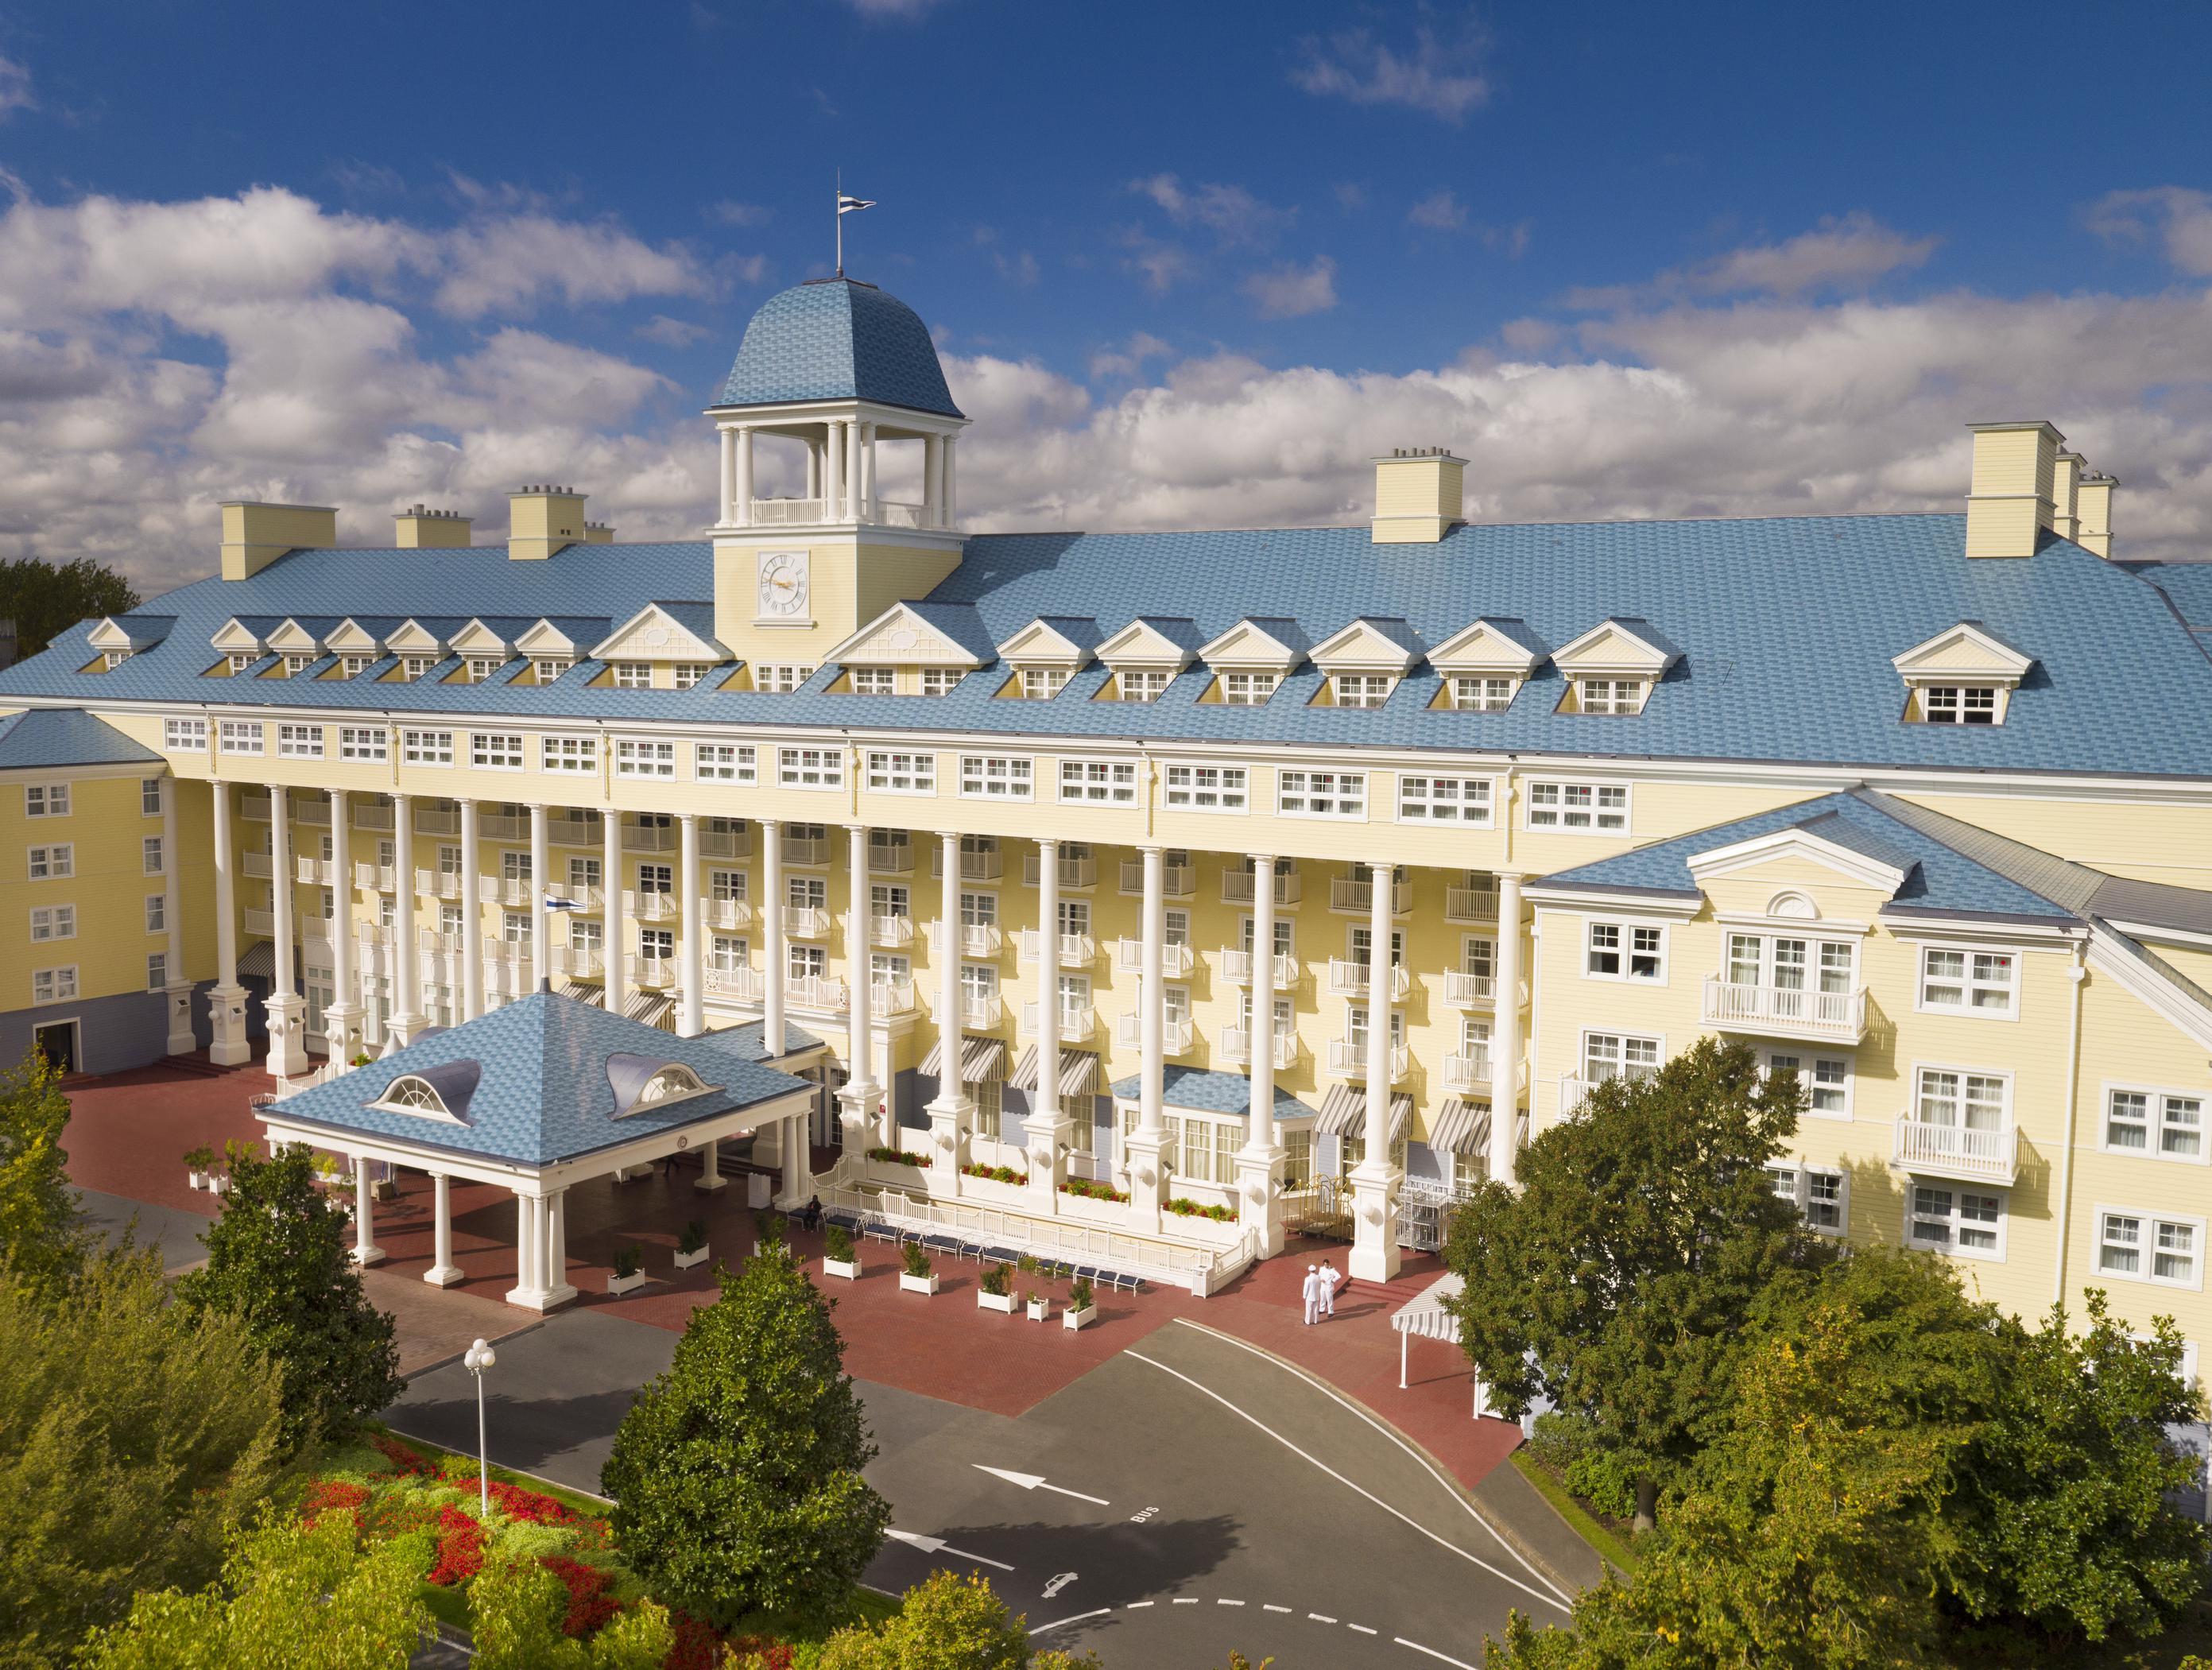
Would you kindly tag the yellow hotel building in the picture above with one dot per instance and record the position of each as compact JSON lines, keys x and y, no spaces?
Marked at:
{"x":1156,"y":863}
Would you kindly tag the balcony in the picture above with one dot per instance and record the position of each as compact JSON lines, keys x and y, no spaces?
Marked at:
{"x":1077,"y":951}
{"x":807,"y":921}
{"x":1237,"y":887}
{"x":1236,"y":1048}
{"x":440,"y":940}
{"x":371,"y":934}
{"x":1348,"y":979}
{"x":822,"y":993}
{"x":591,"y":898}
{"x":511,"y":891}
{"x":254,"y":803}
{"x":650,"y":838}
{"x":887,"y":860}
{"x":889,"y":932}
{"x":315,"y":810}
{"x":577,"y":962}
{"x":1347,"y":893}
{"x":1776,"y":1011}
{"x":372,"y":815}
{"x":650,"y":973}
{"x":1074,"y":871}
{"x":1347,"y":1058}
{"x":653,"y":907}
{"x":1470,"y":904}
{"x":1967,"y":1153}
{"x":980,"y":866}
{"x":376,"y":877}
{"x":317,"y":873}
{"x":787,"y":513}
{"x":725,"y":914}
{"x":438,"y":820}
{"x":736,"y":843}
{"x":979,"y":1013}
{"x":1237,"y":967}
{"x":262,"y":922}
{"x":893,"y":997}
{"x":256,"y":864}
{"x":805,"y":849}
{"x":438,"y":884}
{"x":1177,"y":880}
{"x":1176,"y":1035}
{"x":1468,"y":1072}
{"x":744,"y":985}
{"x":569,"y":829}
{"x":1075,"y":1025}
{"x":1176,"y":957}
{"x":503,"y":826}
{"x":1464,"y":991}
{"x":977,"y":939}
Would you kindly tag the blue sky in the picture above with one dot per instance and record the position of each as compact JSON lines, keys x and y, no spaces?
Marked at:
{"x":328,"y":247}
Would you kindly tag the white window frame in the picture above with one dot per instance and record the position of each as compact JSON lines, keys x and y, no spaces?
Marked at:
{"x":1794,"y":1183}
{"x":243,"y":737}
{"x":1201,"y":785}
{"x":1962,"y":704}
{"x":569,"y":756}
{"x":901,"y":771}
{"x":495,"y":751}
{"x":1088,"y":782}
{"x":157,"y":912}
{"x":1008,"y":777}
{"x":184,"y":735}
{"x":1248,"y":690}
{"x":150,"y":797}
{"x":1637,"y":1070}
{"x":299,"y":742}
{"x":1143,"y":685}
{"x":941,"y":681}
{"x":1951,"y":1247}
{"x":60,"y":984}
{"x":781,"y":678}
{"x":812,"y":769}
{"x":427,"y":747}
{"x":2147,"y":1249}
{"x":632,"y":675}
{"x":151,"y":857}
{"x":2156,"y":1123}
{"x":1482,"y":693}
{"x":1429,"y":797}
{"x":1363,"y":692}
{"x":1969,"y":982}
{"x":51,"y":922}
{"x":369,"y":744}
{"x":1552,"y":806}
{"x":1340,"y":796}
{"x":725,"y":762}
{"x":157,"y":970}
{"x":645,"y":757}
{"x":55,"y":861}
{"x":1629,"y":944}
{"x":1814,"y":1057}
{"x":873,"y":681}
{"x":1043,"y":684}
{"x":45,"y":800}
{"x":1618,"y":698}
{"x":545,"y":669}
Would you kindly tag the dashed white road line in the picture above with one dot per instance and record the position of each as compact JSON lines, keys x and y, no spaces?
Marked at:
{"x":1473,"y":1559}
{"x":1186,"y":1600}
{"x":1264,"y":1606}
{"x":1318,"y":1618}
{"x":1269,"y":1606}
{"x":1220,"y":1602}
{"x":1362,"y":1628}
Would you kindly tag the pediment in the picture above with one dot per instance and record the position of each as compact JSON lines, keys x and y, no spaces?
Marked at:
{"x":1796,"y":846}
{"x":112,"y":635}
{"x":1490,"y":646}
{"x":1041,"y":643}
{"x":293,"y":638}
{"x":1966,"y":650}
{"x":1141,"y":645}
{"x":654,"y":635}
{"x":1618,"y":648}
{"x":234,"y":637}
{"x":413,"y":638}
{"x":901,"y":637}
{"x":350,"y":637}
{"x":546,"y":639}
{"x":1249,"y":644}
{"x":477,"y":639}
{"x":1368,"y":646}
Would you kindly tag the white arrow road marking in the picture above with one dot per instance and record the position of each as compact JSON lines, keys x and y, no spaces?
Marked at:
{"x":1445,"y":1658}
{"x":1035,"y":1481}
{"x":938,"y":1545}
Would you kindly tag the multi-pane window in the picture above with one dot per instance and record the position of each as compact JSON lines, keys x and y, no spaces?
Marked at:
{"x":150,"y":797}
{"x":1588,"y":806}
{"x":1974,"y":982}
{"x":656,"y":944}
{"x":1099,"y":782}
{"x":2139,"y":1247}
{"x":726,"y":955}
{"x":47,"y":800}
{"x":1969,"y":1223}
{"x":1788,"y":964}
{"x":366,"y":743}
{"x":426,"y":747}
{"x":633,"y":675}
{"x":1043,"y":684}
{"x":53,"y":862}
{"x":811,"y":767}
{"x":979,"y":910}
{"x":157,"y":912}
{"x":184,"y":735}
{"x":53,"y":985}
{"x":782,"y":678}
{"x":300,"y":742}
{"x":1617,"y":1055}
{"x":645,"y":759}
{"x":1142,"y":684}
{"x":979,"y":982}
{"x":157,"y":970}
{"x":481,"y":668}
{"x":686,"y":675}
{"x":1208,"y":788}
{"x":515,"y":927}
{"x":352,"y":666}
{"x":1622,"y":950}
{"x":151,"y":855}
{"x":239,"y":661}
{"x":1975,"y":1100}
{"x":939,"y":681}
{"x":874,"y":681}
{"x":1481,"y":695}
{"x":722,"y":763}
{"x":1825,"y":1080}
{"x":901,"y":771}
{"x":545,"y":669}
{"x":2157,"y":1122}
{"x":240,"y":736}
{"x":1609,"y":696}
{"x":995,"y":777}
{"x":1823,"y":1198}
{"x":412,"y":667}
{"x":1960,"y":704}
{"x":54,"y":922}
{"x":656,"y":878}
{"x":295,"y":665}
{"x":1444,"y":800}
{"x":514,"y":867}
{"x":1321,"y":793}
{"x":572,"y":756}
{"x":1360,"y":690}
{"x":1248,"y":690}
{"x":495,"y":751}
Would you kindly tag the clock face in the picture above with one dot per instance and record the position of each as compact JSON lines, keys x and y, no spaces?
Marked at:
{"x":783,"y":584}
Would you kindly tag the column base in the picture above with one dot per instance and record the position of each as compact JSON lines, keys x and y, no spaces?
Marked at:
{"x":539,"y":1299}
{"x":949,"y":1122}
{"x":368,"y":1255}
{"x":230,"y":1048}
{"x":182,"y":1041}
{"x":342,"y":1030}
{"x":1148,"y":1182}
{"x":287,"y":1040}
{"x":401,"y":1030}
{"x":1048,"y":1162}
{"x":1259,"y":1201}
{"x":1375,"y":1253}
{"x":443,"y":1275}
{"x":713,"y":1185}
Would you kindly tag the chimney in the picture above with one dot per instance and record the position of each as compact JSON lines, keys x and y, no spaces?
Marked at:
{"x":2065,"y":481}
{"x":1418,"y":496}
{"x":2008,"y":502}
{"x":542,"y":520}
{"x":598,"y":533}
{"x":254,"y":534}
{"x":417,"y":528}
{"x":2094,"y":500}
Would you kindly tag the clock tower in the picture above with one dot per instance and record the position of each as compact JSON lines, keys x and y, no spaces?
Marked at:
{"x":835,"y":380}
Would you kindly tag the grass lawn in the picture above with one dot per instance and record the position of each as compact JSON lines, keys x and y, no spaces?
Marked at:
{"x":1611,"y":1546}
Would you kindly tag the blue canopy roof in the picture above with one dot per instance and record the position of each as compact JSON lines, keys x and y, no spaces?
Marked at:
{"x":837,"y":339}
{"x":65,"y":736}
{"x":1211,"y":1092}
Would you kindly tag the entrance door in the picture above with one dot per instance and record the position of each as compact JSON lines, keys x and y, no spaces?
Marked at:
{"x":57,"y":1042}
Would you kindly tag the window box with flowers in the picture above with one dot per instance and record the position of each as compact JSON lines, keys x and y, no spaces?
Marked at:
{"x":997,"y":1174}
{"x":1182,"y":1207}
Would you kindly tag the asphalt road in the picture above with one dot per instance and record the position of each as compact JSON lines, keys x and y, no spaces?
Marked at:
{"x":1237,"y":1503}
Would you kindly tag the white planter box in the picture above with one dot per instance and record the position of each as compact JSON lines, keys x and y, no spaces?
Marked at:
{"x":917,"y":1284}
{"x":1040,"y":1310}
{"x":756,"y":1190}
{"x":196,"y":1179}
{"x":1073,"y":1318}
{"x":684,"y":1260}
{"x":849,"y":1269}
{"x":618,"y":1284}
{"x":1001,"y":1302}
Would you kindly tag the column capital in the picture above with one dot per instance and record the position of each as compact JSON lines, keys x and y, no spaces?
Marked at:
{"x":684,"y":818}
{"x":1046,"y":842}
{"x":1263,"y":857}
{"x":857,"y":828}
{"x":769,"y":822}
{"x":400,"y":797}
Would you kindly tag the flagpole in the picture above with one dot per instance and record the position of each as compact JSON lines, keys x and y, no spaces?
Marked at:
{"x":837,"y":213}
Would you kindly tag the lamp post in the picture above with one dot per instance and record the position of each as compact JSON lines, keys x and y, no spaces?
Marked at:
{"x":479,"y":1357}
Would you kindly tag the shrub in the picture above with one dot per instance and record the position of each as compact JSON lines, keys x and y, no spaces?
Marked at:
{"x":916,"y":1260}
{"x":1186,"y":1208}
{"x":1079,"y":1295}
{"x":899,"y":1157}
{"x":770,"y":1227}
{"x":694,"y":1236}
{"x":837,"y":1243}
{"x":994,"y":1281}
{"x":1026,"y":1264}
{"x":1091,"y":1190}
{"x":626,"y":1262}
{"x":199,"y":1159}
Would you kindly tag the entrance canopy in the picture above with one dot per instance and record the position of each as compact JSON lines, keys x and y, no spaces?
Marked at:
{"x":1189,"y":1089}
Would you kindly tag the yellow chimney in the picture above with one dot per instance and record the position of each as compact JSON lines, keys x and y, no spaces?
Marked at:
{"x":2008,"y":503}
{"x":415,"y":528}
{"x":254,"y":534}
{"x":542,"y":520}
{"x":2065,"y":482}
{"x":2094,"y":497}
{"x":598,"y":533}
{"x":1419,"y":493}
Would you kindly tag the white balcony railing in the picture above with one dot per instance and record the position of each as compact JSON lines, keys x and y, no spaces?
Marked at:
{"x":254,"y":803}
{"x":571,"y":830}
{"x":1470,"y":904}
{"x":1176,"y":1035}
{"x":1464,"y":991}
{"x":977,"y":939}
{"x":590,"y":899}
{"x":825,"y":993}
{"x":1348,"y":979}
{"x":1075,"y":1025}
{"x":895,"y":996}
{"x":1176,"y":957}
{"x":315,"y":810}
{"x":890,"y":931}
{"x":437,"y":820}
{"x":785,"y":513}
{"x":371,"y":934}
{"x":886,"y":859}
{"x":578,"y":962}
{"x":1348,"y":893}
{"x":256,"y":864}
{"x":503,"y":826}
{"x":262,"y":922}
{"x":1347,"y":1058}
{"x":371,"y":815}
{"x":650,"y":973}
{"x":805,"y":849}
{"x":438,"y":940}
{"x":376,"y":877}
{"x":736,"y":843}
{"x":981,"y":866}
{"x":1236,"y":1047}
{"x":979,"y":1011}
{"x":1237,"y":889}
{"x":1467,"y":1071}
{"x":1074,"y":871}
{"x":438,"y":884}
{"x":807,"y":921}
{"x":1237,"y":967}
{"x":725,"y":914}
{"x":317,"y":872}
{"x":653,"y":907}
{"x":511,"y":891}
{"x":1969,"y":1153}
{"x":1784,"y":1011}
{"x":744,"y":985}
{"x":1177,"y":880}
{"x":650,"y":838}
{"x":1077,"y":951}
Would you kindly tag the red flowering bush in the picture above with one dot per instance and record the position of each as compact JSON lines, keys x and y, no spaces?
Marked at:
{"x":699,"y":1646}
{"x":590,"y":1606}
{"x":405,"y":1462}
{"x":532,"y":1506}
{"x":460,"y":1548}
{"x":331,"y":1496}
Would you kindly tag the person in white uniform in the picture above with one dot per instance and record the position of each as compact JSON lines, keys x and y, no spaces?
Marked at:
{"x":1329,"y":1280}
{"x":1312,"y":1291}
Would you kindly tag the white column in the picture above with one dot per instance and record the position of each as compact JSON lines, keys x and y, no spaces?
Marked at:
{"x":710,"y":1179}
{"x":610,"y":869}
{"x":178,"y":988}
{"x":860,"y":1089}
{"x":867,"y":456}
{"x":950,"y":1110}
{"x":1505,"y":1033}
{"x":1259,"y":1163}
{"x":342,"y":1019}
{"x":288,"y":1043}
{"x":1147,"y":1179}
{"x":932,"y":481}
{"x":1373,"y":1182}
{"x":854,"y":509}
{"x":743,"y":512}
{"x":691,"y":1011}
{"x":951,"y":489}
{"x":813,"y":468}
{"x":1050,"y":1128}
{"x":406,"y":1018}
{"x":833,"y":473}
{"x":772,"y":950}
{"x":541,"y":954}
{"x":366,"y":1252}
{"x":729,"y":476}
{"x":227,"y":1002}
{"x":557,"y":1289}
{"x":797,"y":1170}
{"x":443,"y":1272}
{"x":472,"y":951}
{"x":529,"y":1289}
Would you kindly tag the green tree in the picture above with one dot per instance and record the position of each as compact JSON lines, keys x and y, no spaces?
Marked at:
{"x":515,"y":1609}
{"x":292,"y":1596}
{"x":1618,"y":1279}
{"x":133,"y":1437}
{"x":947,"y":1622}
{"x":736,"y":1475}
{"x":278,"y":1258}
{"x":40,"y":1237}
{"x":45,"y":599}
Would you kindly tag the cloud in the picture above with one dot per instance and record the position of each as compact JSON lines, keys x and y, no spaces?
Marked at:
{"x":1160,"y":265}
{"x":1439,"y":74}
{"x":2178,"y":218}
{"x":1292,"y":291}
{"x":1232,"y":214}
{"x":509,"y":263}
{"x":673,"y":332}
{"x":1351,"y":197}
{"x":1439,"y":211}
{"x":1846,"y":252}
{"x":729,"y":212}
{"x":14,"y":88}
{"x":1130,"y":358}
{"x":1018,"y":267}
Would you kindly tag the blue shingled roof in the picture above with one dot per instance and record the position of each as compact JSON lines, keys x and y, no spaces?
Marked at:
{"x":542,"y":1094}
{"x":1211,"y":1092}
{"x":65,"y":736}
{"x":1939,"y":880}
{"x":837,"y":339}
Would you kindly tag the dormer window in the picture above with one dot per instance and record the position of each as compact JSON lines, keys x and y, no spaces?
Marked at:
{"x":1043,"y":684}
{"x":1361,"y":689}
{"x":1483,"y":695}
{"x":352,"y":666}
{"x":483,"y":668}
{"x":1608,"y":696}
{"x":939,"y":681}
{"x":113,"y":659}
{"x":413,"y":1093}
{"x":548,"y":668}
{"x":687,"y":674}
{"x":781,"y":678}
{"x":875,"y":681}
{"x":633,"y":675}
{"x":1248,"y":690}
{"x":296,"y":664}
{"x":1142,"y":683}
{"x":1959,"y":704}
{"x":1965,"y":675}
{"x":670,"y":1083}
{"x":239,"y":663}
{"x":412,"y":667}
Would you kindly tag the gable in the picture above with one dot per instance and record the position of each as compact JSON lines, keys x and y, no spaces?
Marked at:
{"x":1365,"y":647}
{"x":295,"y":639}
{"x":1248,"y":644}
{"x":413,"y":638}
{"x":1142,"y":645}
{"x":235,"y":638}
{"x":1613,"y":647}
{"x":654,"y":635}
{"x":1967,"y":650}
{"x":901,"y":636}
{"x":1041,"y":643}
{"x":1487,"y":647}
{"x":350,"y":637}
{"x":1797,"y":858}
{"x":546,"y":639}
{"x":477,"y":639}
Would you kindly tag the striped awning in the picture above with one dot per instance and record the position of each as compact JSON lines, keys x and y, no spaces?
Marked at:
{"x":1452,"y":1128}
{"x":1344,"y":1114}
{"x":982,"y":1061}
{"x":1481,"y":1149}
{"x":653,"y":1008}
{"x":587,"y":991}
{"x":1078,"y":1071}
{"x":258,"y":961}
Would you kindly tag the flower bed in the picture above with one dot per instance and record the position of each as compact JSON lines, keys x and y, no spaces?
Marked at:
{"x":1094,"y":1190}
{"x":997,"y":1174}
{"x":1186,"y":1208}
{"x":899,"y":1156}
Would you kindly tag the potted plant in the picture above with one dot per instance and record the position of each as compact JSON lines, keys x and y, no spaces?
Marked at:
{"x":995,"y":1291}
{"x":767,"y":1232}
{"x":838,"y":1256}
{"x":916,"y":1276}
{"x":691,"y":1245}
{"x":1038,"y":1305}
{"x":1082,"y":1306}
{"x":196,"y":1162}
{"x":630,"y":1272}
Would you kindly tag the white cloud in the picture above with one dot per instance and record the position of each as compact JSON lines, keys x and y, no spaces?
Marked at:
{"x":729,"y":212}
{"x":673,"y":332}
{"x":1130,"y":358}
{"x":1439,"y":74}
{"x":2179,"y":218}
{"x":901,"y":9}
{"x":1439,"y":211}
{"x":1842,"y":253}
{"x":508,"y":263}
{"x":1290,"y":291}
{"x":1229,"y":212}
{"x":14,"y":88}
{"x":1160,"y":265}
